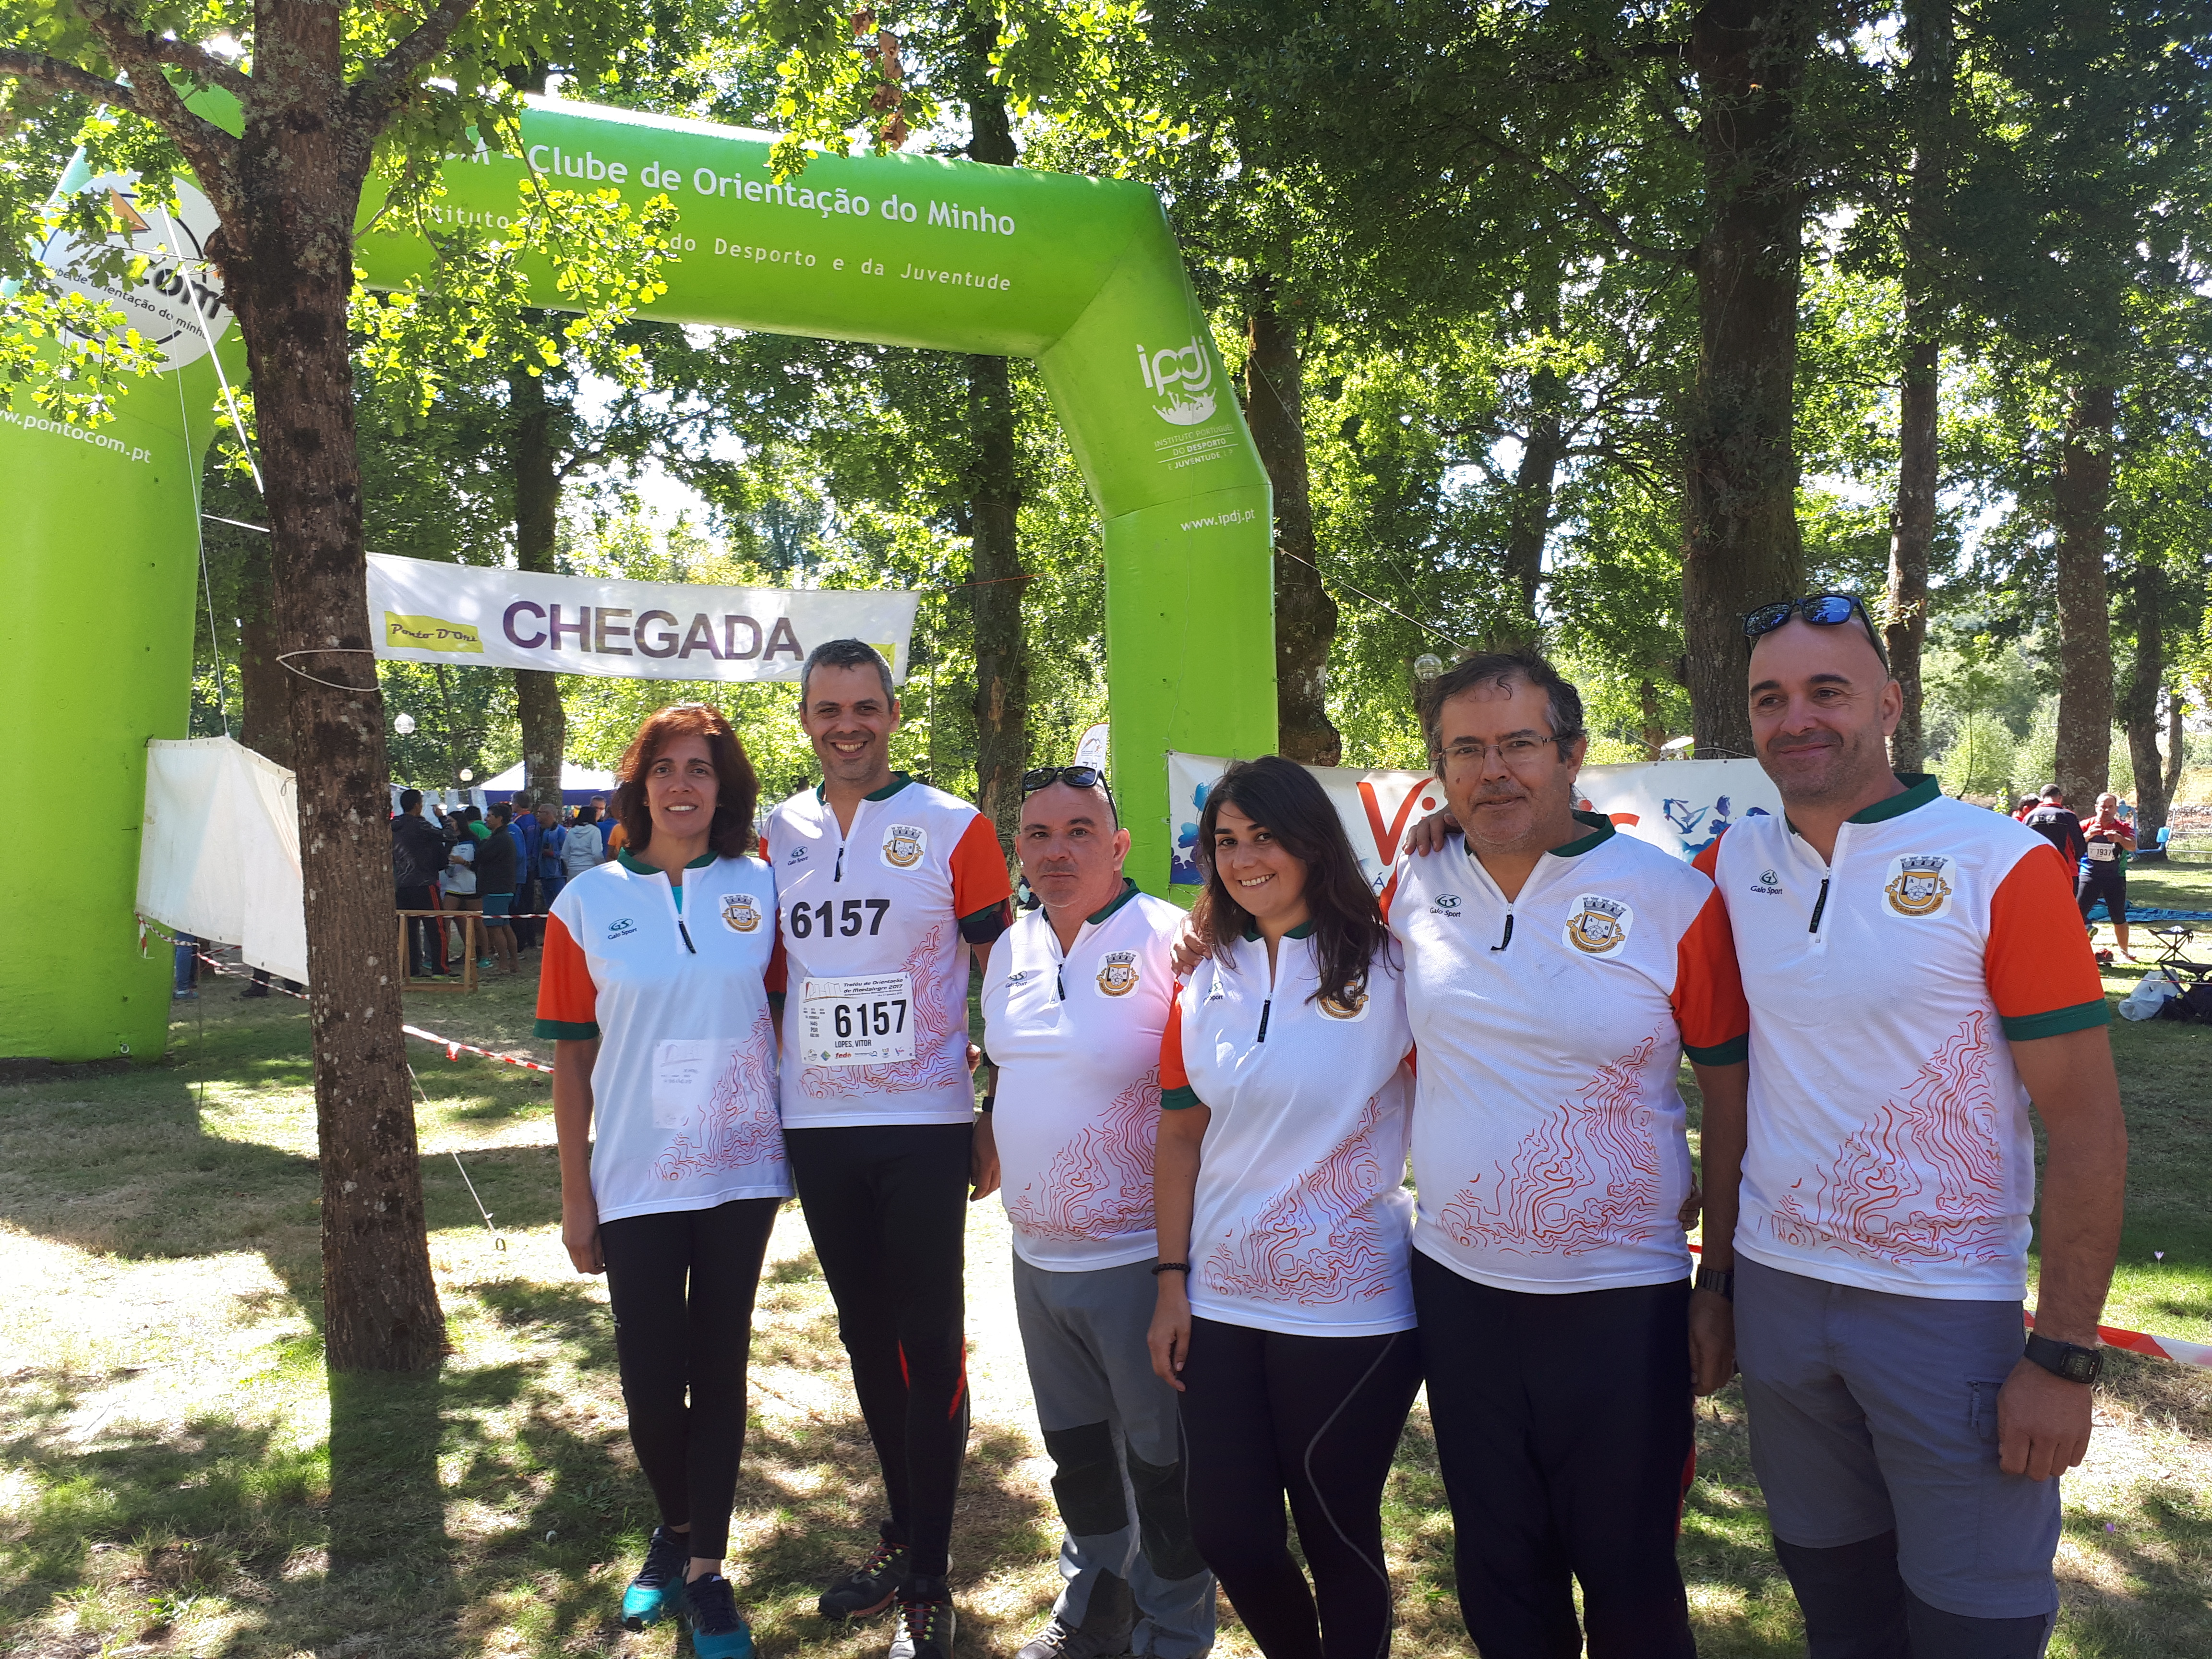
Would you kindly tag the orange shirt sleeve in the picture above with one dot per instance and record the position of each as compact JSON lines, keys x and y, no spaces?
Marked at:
{"x":1708,"y":998}
{"x":2041,"y":973}
{"x":568,"y":1001}
{"x":1707,"y":862}
{"x":1175,"y":1091}
{"x":980,"y":888}
{"x":776,"y":980}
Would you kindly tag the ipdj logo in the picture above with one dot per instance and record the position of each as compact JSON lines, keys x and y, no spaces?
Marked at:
{"x":1184,"y":378}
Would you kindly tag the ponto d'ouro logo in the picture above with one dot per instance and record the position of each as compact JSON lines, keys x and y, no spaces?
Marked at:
{"x":1343,"y":1005}
{"x":1917,"y":886}
{"x":1184,"y":378}
{"x":1597,"y":926}
{"x":1117,"y":975}
{"x":740,"y":912}
{"x":904,"y":844}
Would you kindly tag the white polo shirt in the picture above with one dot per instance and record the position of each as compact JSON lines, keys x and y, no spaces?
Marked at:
{"x":683,"y":1093}
{"x":1890,"y":1143}
{"x":1550,"y":1150}
{"x":1301,"y":1216}
{"x":875,"y":926}
{"x":1077,"y":1043}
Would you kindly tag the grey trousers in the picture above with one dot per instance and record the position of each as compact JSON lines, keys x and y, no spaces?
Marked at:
{"x":1110,"y":1427}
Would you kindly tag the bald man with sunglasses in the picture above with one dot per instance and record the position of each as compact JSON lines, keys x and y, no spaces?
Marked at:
{"x":1917,"y":980}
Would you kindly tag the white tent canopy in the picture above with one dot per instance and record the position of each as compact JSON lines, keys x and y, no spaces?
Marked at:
{"x":219,"y":855}
{"x":572,"y":777}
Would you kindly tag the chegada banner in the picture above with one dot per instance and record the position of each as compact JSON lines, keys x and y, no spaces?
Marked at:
{"x":1681,"y":805}
{"x":472,"y":617}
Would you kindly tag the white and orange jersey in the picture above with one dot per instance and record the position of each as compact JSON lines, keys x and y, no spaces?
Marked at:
{"x":674,"y":986}
{"x":875,"y":926}
{"x":1890,"y":1144}
{"x":1076,"y":1039}
{"x":1550,"y":1150}
{"x":1300,"y":1220}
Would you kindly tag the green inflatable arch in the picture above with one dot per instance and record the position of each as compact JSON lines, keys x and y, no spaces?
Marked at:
{"x":1082,"y":275}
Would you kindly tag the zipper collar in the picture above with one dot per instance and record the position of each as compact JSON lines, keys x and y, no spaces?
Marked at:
{"x":1920,"y":788}
{"x":1128,"y":891}
{"x":1304,"y":930}
{"x":899,"y":780}
{"x":639,"y":867}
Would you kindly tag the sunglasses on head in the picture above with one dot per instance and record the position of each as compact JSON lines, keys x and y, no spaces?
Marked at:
{"x":1075,"y":777}
{"x":1821,"y":610}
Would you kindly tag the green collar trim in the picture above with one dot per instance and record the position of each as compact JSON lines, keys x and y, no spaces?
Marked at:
{"x":1128,"y":891}
{"x":1919,"y":789}
{"x":637,"y":867}
{"x":1304,"y":930}
{"x":1600,"y":831}
{"x":899,"y":780}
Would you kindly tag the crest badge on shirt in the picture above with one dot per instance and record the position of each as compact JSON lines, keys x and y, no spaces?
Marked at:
{"x":740,"y":912}
{"x":1117,"y":974}
{"x":1598,"y":925}
{"x":1919,"y":885}
{"x":904,"y":844}
{"x":1337,"y":1006}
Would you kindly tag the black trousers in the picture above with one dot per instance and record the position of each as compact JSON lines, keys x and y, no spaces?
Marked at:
{"x":2108,"y":882}
{"x":887,"y":1206}
{"x":426,"y":935}
{"x":1564,"y":1429}
{"x":1316,"y":1418}
{"x":682,"y":1283}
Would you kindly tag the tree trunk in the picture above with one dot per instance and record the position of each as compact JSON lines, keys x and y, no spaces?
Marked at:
{"x":2177,"y":744}
{"x":1654,"y":732}
{"x":288,"y":269}
{"x":2138,"y":707}
{"x":2085,"y":624}
{"x":265,"y":721}
{"x":1905,"y":631}
{"x":1305,"y":615}
{"x":1002,"y":656}
{"x":536,"y":518}
{"x":1742,"y":546}
{"x":1545,"y":446}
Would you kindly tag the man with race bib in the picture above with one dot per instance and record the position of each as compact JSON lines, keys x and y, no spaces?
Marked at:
{"x":884,"y":889}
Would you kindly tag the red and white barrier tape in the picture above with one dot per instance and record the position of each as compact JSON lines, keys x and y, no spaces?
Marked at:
{"x":241,"y":972}
{"x":455,"y":1050}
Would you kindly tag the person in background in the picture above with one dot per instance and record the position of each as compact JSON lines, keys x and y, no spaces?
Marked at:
{"x":552,"y":861}
{"x":498,"y":856}
{"x":186,"y":965}
{"x":1074,"y":1004}
{"x":522,"y":829}
{"x":460,"y":877}
{"x":2056,"y":825}
{"x":581,"y":849}
{"x":2107,"y":838}
{"x":2027,"y":803}
{"x":1285,"y":1313}
{"x":418,"y":857}
{"x":653,"y":988}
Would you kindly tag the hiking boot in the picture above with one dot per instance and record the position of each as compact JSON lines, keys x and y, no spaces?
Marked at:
{"x":256,"y":990}
{"x":657,"y":1592}
{"x":1107,"y":1619}
{"x":926,"y":1621}
{"x":867,"y":1588}
{"x":718,"y":1630}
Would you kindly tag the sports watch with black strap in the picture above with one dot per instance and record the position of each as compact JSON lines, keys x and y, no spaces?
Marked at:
{"x":2074,"y":1364}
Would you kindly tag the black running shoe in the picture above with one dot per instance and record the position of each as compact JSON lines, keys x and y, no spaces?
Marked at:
{"x":867,"y":1588}
{"x":926,"y":1621}
{"x":657,"y":1592}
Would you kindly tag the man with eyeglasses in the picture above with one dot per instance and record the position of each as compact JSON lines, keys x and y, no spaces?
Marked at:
{"x":884,"y":889}
{"x":1074,"y":1002}
{"x":1918,"y":978}
{"x":1557,"y":974}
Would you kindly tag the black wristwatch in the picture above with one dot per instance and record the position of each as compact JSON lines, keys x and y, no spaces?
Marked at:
{"x":2075,"y":1365}
{"x":1715,"y":1279}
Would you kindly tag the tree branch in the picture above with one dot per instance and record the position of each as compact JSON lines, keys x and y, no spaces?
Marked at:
{"x":389,"y":84}
{"x":115,"y":26}
{"x":36,"y":69}
{"x":207,"y":147}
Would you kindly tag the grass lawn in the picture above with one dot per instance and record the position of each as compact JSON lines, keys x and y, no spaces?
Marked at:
{"x":175,"y":1478}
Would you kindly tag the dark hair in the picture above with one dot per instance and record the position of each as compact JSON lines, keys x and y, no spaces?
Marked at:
{"x":496,"y":810}
{"x":1285,"y":797}
{"x":588,"y":813}
{"x":469,"y":815}
{"x":846,"y":653}
{"x":410,"y":800}
{"x":1501,"y":668}
{"x":737,"y":789}
{"x":2052,"y":792}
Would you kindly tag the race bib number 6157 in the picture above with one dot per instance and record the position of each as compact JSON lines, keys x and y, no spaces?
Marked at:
{"x":864,"y":1021}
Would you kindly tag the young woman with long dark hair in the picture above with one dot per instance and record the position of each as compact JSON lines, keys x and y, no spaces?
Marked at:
{"x":1286,"y":1312}
{"x":654,"y":990}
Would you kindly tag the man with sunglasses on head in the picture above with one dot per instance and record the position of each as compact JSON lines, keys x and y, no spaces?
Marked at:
{"x":884,"y":889}
{"x":1074,"y":1002}
{"x":1917,"y":979}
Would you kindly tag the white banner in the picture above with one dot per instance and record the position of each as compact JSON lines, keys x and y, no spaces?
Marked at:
{"x":219,"y":857}
{"x":472,"y":618}
{"x":1681,"y":805}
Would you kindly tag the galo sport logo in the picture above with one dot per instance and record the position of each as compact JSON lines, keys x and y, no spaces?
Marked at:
{"x":1184,"y":378}
{"x":620,"y":927}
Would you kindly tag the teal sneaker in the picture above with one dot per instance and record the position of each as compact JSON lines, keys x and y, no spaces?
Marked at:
{"x":719,"y":1631}
{"x":657,"y":1592}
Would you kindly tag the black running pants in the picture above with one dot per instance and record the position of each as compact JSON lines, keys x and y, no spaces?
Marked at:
{"x":1316,"y":1418}
{"x":887,"y":1207}
{"x":682,"y":1283}
{"x":1563,"y":1426}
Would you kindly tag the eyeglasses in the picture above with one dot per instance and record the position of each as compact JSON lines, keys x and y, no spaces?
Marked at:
{"x":1519,"y":754}
{"x":1075,"y":777}
{"x":1821,"y":610}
